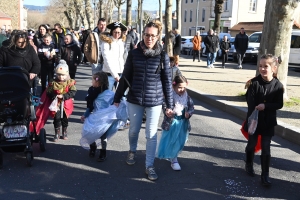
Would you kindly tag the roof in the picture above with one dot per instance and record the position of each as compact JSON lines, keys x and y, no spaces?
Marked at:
{"x":248,"y":26}
{"x":3,"y":15}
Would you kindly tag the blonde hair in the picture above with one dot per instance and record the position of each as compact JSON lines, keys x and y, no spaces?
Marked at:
{"x":155,"y":23}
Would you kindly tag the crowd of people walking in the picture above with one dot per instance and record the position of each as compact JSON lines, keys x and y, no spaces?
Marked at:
{"x":134,"y":78}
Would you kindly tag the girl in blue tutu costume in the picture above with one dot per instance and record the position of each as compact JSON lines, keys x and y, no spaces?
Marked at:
{"x":101,"y":119}
{"x":176,"y":129}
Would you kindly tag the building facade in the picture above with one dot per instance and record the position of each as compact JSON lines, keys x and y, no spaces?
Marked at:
{"x":16,"y":11}
{"x":234,"y":11}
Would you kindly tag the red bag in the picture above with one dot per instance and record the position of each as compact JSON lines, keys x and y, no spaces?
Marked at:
{"x":246,"y":135}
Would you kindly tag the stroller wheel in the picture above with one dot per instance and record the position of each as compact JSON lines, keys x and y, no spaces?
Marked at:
{"x":29,"y":159}
{"x":42,"y":136}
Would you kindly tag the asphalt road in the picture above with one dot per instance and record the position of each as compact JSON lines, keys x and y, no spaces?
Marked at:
{"x":212,"y":164}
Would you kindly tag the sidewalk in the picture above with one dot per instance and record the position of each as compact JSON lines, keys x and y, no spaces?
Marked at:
{"x":224,"y":89}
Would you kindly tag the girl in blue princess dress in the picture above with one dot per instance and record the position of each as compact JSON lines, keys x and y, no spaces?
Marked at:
{"x":101,"y":119}
{"x":176,"y":129}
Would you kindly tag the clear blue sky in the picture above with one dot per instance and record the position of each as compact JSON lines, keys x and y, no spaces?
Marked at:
{"x":147,"y":4}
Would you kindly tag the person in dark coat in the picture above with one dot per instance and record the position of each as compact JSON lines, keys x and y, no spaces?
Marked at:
{"x":211,"y":42}
{"x":47,"y":56}
{"x":71,"y":53}
{"x":265,"y":94}
{"x":225,"y":46}
{"x":129,"y":44}
{"x":38,"y":37}
{"x":18,"y":52}
{"x":241,"y":45}
{"x":147,"y":74}
{"x":177,"y":46}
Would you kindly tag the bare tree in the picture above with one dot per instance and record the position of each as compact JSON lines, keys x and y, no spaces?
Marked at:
{"x":128,"y":13}
{"x":278,"y":22}
{"x":160,"y":16}
{"x":178,"y":14}
{"x":218,"y":12}
{"x":168,"y":28}
{"x":118,"y":4}
{"x":88,"y":12}
{"x":80,"y":12}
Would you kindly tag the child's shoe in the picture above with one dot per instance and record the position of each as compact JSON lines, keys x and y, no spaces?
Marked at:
{"x":102,"y":156}
{"x":93,"y":148}
{"x":64,"y":133}
{"x":56,"y":134}
{"x":175,"y":166}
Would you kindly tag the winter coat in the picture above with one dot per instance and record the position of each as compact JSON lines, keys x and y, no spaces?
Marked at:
{"x":197,"y":40}
{"x":167,"y":121}
{"x":38,"y":39}
{"x":177,"y":45}
{"x":71,"y":54}
{"x":25,"y":58}
{"x":113,"y":54}
{"x":241,"y":42}
{"x":269,"y":93}
{"x":175,"y":72}
{"x":148,"y":83}
{"x":46,"y":48}
{"x":129,"y":43}
{"x":211,"y":43}
{"x":225,"y":46}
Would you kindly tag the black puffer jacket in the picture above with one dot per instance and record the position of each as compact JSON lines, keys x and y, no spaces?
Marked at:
{"x":71,"y":53}
{"x":241,"y":42}
{"x":147,"y":86}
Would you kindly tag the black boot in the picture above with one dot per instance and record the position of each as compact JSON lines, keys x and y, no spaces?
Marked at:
{"x":64,"y":133}
{"x":93,"y":148}
{"x":249,"y":163}
{"x":102,"y":155}
{"x":265,"y":164}
{"x":56,"y":135}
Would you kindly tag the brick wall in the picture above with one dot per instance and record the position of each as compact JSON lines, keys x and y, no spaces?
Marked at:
{"x":12,"y":9}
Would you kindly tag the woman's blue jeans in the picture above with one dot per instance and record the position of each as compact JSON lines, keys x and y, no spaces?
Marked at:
{"x":135,"y":113}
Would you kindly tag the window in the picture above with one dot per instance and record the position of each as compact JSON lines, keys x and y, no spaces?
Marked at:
{"x":185,"y":15}
{"x":191,"y":15}
{"x":225,"y":5}
{"x":255,"y":38}
{"x":253,"y":4}
{"x":295,"y":42}
{"x":203,"y":15}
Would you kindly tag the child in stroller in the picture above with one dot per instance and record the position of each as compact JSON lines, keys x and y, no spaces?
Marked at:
{"x":16,"y":113}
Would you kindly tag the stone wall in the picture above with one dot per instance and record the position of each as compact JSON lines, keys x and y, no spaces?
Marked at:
{"x":12,"y":9}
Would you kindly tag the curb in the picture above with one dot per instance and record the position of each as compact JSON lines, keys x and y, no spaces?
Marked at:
{"x":283,"y":130}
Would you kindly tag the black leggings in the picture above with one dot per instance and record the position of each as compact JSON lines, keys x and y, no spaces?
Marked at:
{"x":58,"y":121}
{"x":265,"y":144}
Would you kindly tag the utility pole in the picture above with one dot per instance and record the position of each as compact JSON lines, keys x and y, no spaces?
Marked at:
{"x":197,"y":16}
{"x":141,"y":18}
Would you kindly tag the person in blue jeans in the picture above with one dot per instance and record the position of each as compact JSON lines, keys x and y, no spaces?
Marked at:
{"x":147,"y":74}
{"x":211,"y":43}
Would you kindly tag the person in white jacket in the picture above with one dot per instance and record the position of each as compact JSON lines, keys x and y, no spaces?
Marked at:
{"x":112,"y":48}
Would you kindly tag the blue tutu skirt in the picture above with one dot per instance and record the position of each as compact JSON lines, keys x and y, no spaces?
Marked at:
{"x":173,"y":140}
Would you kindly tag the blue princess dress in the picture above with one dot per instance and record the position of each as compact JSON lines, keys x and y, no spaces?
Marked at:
{"x":175,"y":130}
{"x":106,"y":118}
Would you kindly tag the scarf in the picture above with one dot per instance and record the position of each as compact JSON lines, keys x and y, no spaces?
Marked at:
{"x":61,"y":87}
{"x":93,"y":93}
{"x":157,"y":49}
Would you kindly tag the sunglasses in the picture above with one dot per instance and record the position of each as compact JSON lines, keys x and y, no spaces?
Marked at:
{"x":23,"y":35}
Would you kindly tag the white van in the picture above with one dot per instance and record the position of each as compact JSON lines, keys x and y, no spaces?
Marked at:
{"x":254,"y":42}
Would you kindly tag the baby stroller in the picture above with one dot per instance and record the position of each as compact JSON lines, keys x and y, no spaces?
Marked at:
{"x":16,"y":112}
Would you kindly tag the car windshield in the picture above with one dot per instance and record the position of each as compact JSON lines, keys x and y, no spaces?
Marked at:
{"x":255,"y":38}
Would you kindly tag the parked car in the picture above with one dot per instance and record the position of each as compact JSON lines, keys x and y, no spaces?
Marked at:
{"x":186,"y":44}
{"x":232,"y":51}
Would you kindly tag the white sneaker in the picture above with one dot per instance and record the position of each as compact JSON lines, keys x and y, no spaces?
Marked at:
{"x":241,"y":66}
{"x":208,"y":66}
{"x":175,"y":166}
{"x":212,"y":66}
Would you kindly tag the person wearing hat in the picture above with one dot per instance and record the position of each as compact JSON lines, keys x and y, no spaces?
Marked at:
{"x":92,"y":50}
{"x":61,"y":91}
{"x":112,"y":48}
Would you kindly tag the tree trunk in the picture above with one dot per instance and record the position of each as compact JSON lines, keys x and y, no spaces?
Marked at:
{"x":278,"y":23}
{"x":160,"y":16}
{"x":128,"y":13}
{"x":168,"y":28}
{"x":178,"y":14}
{"x":88,"y":12}
{"x":100,"y":7}
{"x":218,"y":12}
{"x":139,"y":16}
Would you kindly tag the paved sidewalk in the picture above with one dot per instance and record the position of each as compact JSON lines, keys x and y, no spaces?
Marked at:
{"x":224,"y":88}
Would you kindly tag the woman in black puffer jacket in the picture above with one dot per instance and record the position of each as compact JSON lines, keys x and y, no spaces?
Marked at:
{"x":147,"y":74}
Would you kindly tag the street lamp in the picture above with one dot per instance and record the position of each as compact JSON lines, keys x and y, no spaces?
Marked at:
{"x":197,"y":16}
